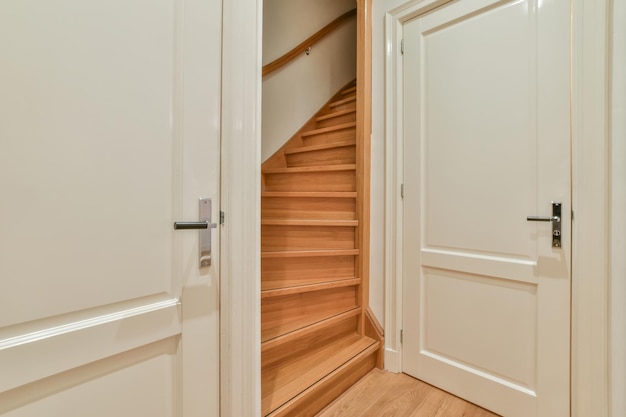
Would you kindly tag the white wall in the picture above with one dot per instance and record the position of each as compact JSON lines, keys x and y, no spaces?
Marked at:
{"x":377,"y":209}
{"x":294,"y":93}
{"x":618,"y":213}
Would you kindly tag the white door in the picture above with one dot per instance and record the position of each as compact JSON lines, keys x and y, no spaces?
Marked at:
{"x":109,"y":132}
{"x":486,"y":144}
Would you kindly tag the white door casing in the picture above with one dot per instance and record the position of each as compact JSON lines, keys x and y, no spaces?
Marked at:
{"x":109,"y":131}
{"x":487,"y":143}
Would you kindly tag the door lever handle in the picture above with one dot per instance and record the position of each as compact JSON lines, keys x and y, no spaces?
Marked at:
{"x":555,"y":219}
{"x":204,"y":227}
{"x":193,"y":225}
{"x":543,"y":218}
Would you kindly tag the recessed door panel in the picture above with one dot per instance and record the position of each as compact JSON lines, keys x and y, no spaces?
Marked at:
{"x":86,"y":157}
{"x":479,"y":136}
{"x":468,"y":319}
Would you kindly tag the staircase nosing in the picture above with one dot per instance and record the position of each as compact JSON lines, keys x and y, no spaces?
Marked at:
{"x":309,"y":253}
{"x":308,"y":194}
{"x":311,"y":222}
{"x":279,"y":292}
{"x":320,"y":168}
{"x":302,"y":149}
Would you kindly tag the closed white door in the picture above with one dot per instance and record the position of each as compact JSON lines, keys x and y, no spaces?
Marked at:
{"x":109,"y":132}
{"x":486,"y":144}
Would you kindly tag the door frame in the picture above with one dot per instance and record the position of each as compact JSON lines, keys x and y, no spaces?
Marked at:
{"x":240,"y":320}
{"x":590,"y":198}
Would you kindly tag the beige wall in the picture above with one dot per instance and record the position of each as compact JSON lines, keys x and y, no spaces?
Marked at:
{"x":293,"y":94}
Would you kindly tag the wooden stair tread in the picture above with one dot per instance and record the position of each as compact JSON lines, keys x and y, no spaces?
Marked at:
{"x":300,"y":319}
{"x":334,"y":114}
{"x":309,"y":194}
{"x":328,"y":129}
{"x":295,"y":170}
{"x":348,"y":90}
{"x":343,"y":101}
{"x":308,"y":222}
{"x":309,"y":253}
{"x":291,"y":377}
{"x":322,"y":147}
{"x":321,"y":325}
{"x":310,"y":402}
{"x":277,"y":292}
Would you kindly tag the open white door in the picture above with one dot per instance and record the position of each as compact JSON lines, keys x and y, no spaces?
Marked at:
{"x":109,"y":132}
{"x":486,"y":144}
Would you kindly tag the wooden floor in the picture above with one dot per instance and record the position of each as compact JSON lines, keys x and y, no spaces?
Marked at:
{"x":382,"y":393}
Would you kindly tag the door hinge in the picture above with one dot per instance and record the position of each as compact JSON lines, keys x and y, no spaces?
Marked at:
{"x":572,"y":215}
{"x":401,"y":46}
{"x":401,"y":190}
{"x":401,"y":336}
{"x":221,"y":217}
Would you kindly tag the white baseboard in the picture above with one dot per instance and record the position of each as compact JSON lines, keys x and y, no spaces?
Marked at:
{"x":392,"y":361}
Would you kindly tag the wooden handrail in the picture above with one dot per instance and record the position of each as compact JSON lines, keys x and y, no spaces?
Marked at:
{"x":302,"y":47}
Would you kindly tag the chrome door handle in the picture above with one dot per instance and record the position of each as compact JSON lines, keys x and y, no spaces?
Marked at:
{"x":543,"y":218}
{"x":555,"y":219}
{"x":204,"y":227}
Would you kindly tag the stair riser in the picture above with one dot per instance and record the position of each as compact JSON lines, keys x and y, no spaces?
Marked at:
{"x":311,"y":181}
{"x":330,"y":137}
{"x":284,"y":238}
{"x":313,"y":400}
{"x":290,"y":272}
{"x":345,"y":118}
{"x":300,"y":346}
{"x":281,"y":315}
{"x":308,"y":208}
{"x":350,"y":105}
{"x":334,"y":156}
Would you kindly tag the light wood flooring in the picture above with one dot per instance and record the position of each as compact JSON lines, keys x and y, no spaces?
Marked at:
{"x":382,"y":393}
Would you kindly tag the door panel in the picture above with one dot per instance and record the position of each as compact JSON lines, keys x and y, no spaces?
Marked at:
{"x":86,"y":133}
{"x":109,"y":127}
{"x":486,"y":143}
{"x":149,"y":371}
{"x":472,"y":336}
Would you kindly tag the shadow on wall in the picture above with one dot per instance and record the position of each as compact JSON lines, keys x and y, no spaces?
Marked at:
{"x":292,"y":94}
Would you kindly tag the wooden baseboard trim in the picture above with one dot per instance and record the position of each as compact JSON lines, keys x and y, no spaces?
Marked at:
{"x":374,"y":330}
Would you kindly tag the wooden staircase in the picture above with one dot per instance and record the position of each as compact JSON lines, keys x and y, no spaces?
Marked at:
{"x":313,"y":345}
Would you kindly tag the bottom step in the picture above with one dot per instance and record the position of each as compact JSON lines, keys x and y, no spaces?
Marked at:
{"x":303,"y":386}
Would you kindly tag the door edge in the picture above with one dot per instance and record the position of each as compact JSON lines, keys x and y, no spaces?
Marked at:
{"x":240,"y":360}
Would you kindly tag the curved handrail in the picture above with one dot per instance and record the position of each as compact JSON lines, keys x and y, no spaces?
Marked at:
{"x":302,"y":47}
